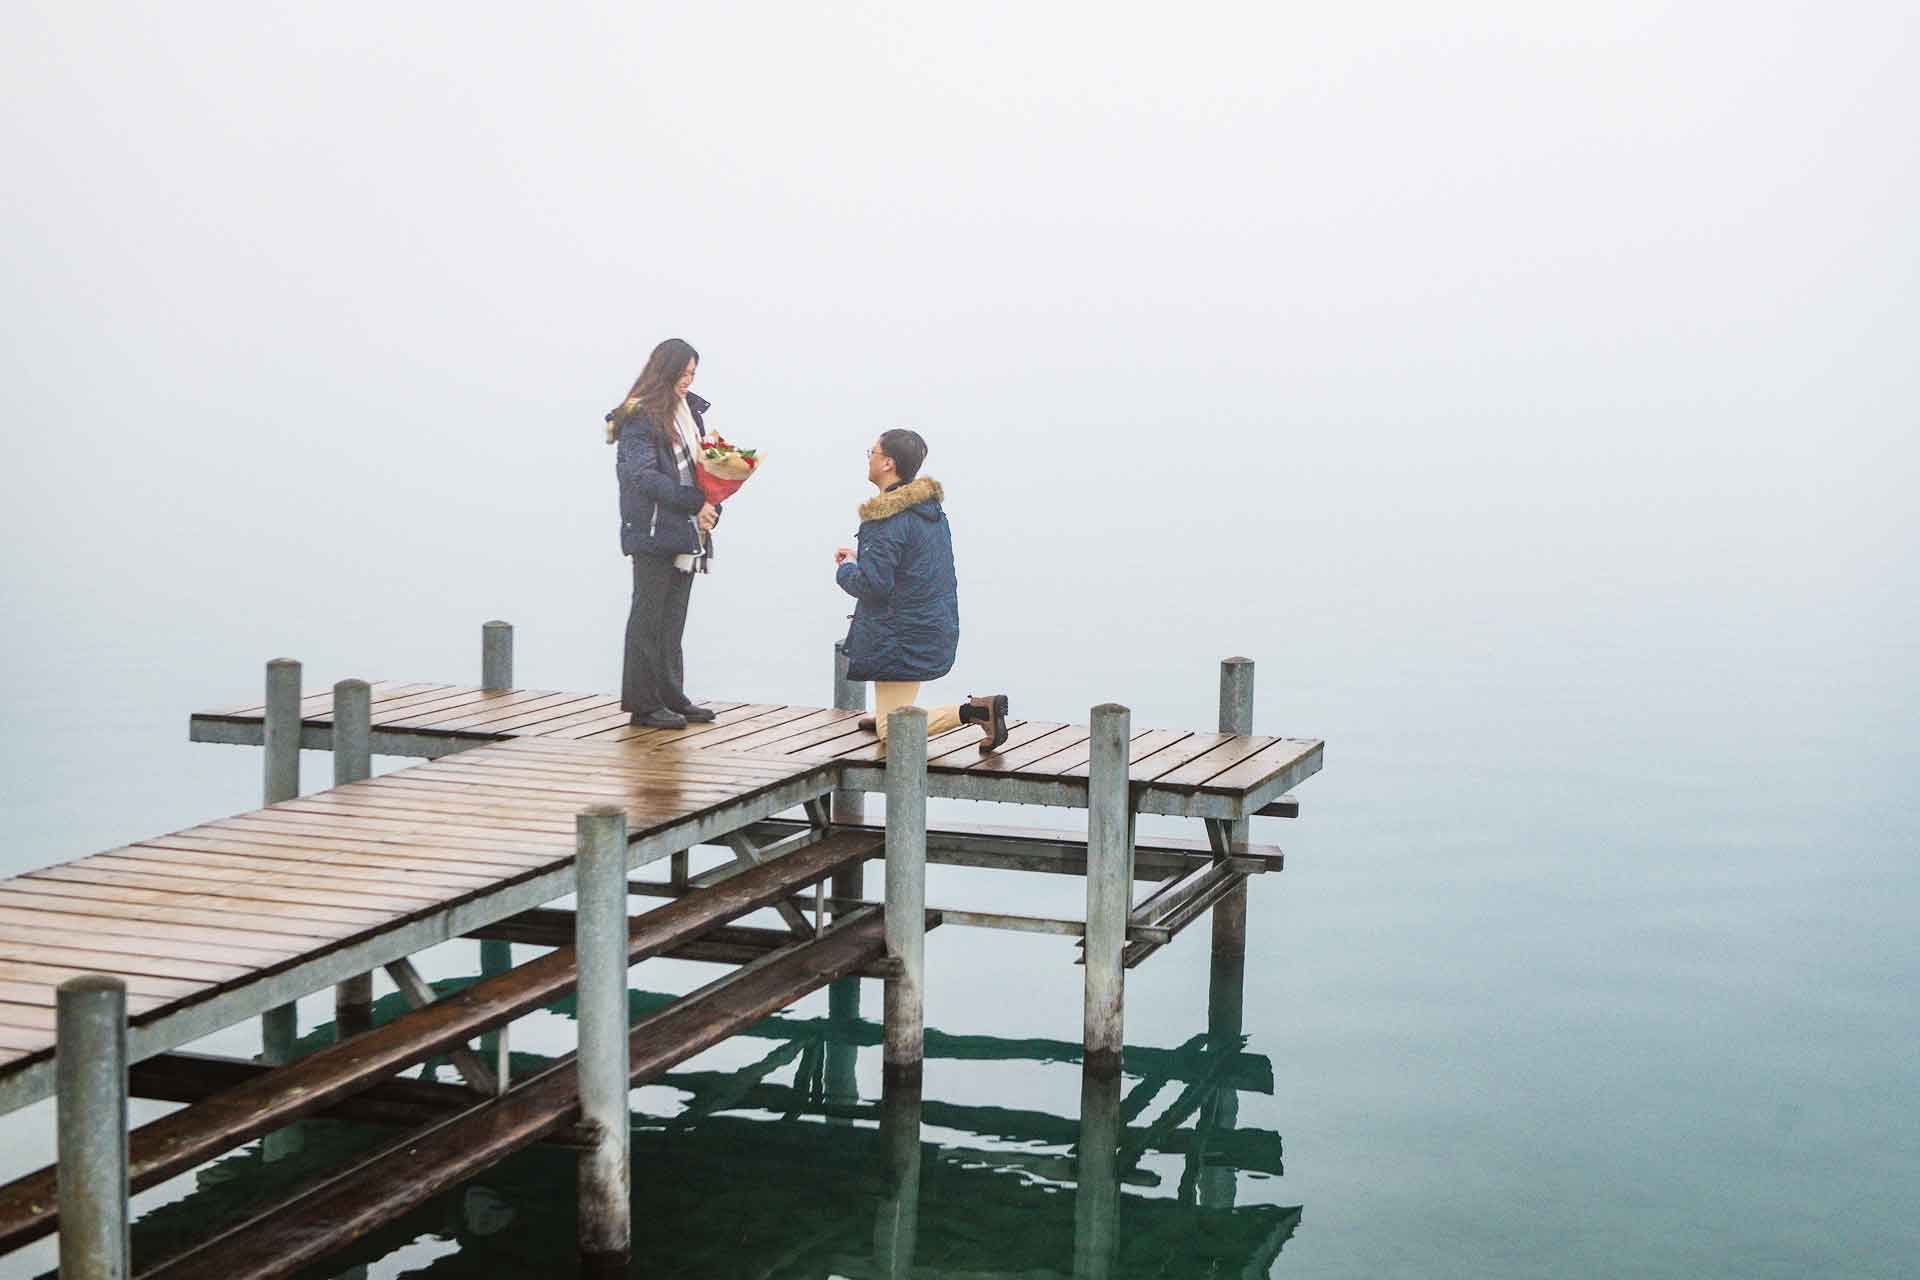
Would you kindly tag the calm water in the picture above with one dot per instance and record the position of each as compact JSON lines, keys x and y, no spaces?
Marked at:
{"x":1587,"y":961}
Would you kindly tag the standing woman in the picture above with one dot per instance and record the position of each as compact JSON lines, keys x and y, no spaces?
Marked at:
{"x":665,"y":523}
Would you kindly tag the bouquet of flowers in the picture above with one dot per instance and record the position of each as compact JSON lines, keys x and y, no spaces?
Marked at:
{"x":723,"y":468}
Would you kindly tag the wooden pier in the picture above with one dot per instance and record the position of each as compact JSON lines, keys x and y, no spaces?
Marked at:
{"x":527,"y":796}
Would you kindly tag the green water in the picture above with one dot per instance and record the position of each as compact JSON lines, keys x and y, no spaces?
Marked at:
{"x":784,"y":1168}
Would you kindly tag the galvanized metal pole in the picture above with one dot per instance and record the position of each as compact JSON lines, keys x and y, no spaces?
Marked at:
{"x":600,"y":943}
{"x":850,"y":883}
{"x":1096,"y":1202}
{"x":1227,"y":981}
{"x":1109,"y":886}
{"x":1236,"y":716}
{"x":90,"y":1070}
{"x":280,"y":736}
{"x":352,"y":762}
{"x":906,"y":903}
{"x":896,"y":1225}
{"x":496,"y":655}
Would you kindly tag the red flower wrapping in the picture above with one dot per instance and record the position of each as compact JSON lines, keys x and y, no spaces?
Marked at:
{"x":722,"y":468}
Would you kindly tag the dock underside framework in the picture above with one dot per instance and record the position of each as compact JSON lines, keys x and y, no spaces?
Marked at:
{"x":807,"y":869}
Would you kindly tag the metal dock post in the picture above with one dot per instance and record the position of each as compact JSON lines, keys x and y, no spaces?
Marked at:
{"x":496,"y":655}
{"x":352,"y":762}
{"x":280,"y":740}
{"x":600,"y":944}
{"x":91,"y":1109}
{"x":1236,"y":716}
{"x":1109,"y":886}
{"x":906,"y":901}
{"x":848,"y":805}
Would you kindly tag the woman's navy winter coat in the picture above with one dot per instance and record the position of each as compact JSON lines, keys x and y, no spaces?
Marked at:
{"x":656,"y":511}
{"x":906,"y":625}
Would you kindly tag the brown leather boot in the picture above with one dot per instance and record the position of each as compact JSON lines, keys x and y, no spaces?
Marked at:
{"x":989,"y":711}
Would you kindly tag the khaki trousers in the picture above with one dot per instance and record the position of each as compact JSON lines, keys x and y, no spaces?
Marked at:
{"x":890,"y":695}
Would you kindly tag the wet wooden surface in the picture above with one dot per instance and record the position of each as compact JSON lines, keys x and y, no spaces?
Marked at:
{"x":1178,"y":761}
{"x":186,"y":915}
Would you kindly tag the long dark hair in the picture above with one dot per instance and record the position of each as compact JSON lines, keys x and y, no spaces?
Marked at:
{"x":653,"y":395}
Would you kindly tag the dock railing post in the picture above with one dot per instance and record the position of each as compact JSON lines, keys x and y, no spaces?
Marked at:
{"x":496,"y":655}
{"x":848,"y":805}
{"x":352,"y":762}
{"x":90,"y":1085}
{"x":1109,"y":886}
{"x":280,"y":736}
{"x":600,"y":945}
{"x":906,"y":902}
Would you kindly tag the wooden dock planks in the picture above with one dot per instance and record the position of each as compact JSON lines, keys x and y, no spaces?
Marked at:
{"x":1173,"y":770}
{"x":210,"y":909}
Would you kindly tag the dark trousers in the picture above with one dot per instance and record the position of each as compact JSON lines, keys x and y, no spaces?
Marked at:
{"x":655,"y":669}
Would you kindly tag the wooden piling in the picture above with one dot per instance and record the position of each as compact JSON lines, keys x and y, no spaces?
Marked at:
{"x":600,"y":933}
{"x":1236,"y":716}
{"x":1109,"y":886}
{"x":496,"y":655}
{"x":906,"y":901}
{"x":91,"y":1116}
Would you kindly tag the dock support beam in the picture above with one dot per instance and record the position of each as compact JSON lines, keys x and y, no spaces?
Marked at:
{"x":496,"y":655}
{"x":1109,"y":886}
{"x":906,"y":903}
{"x":848,"y":805}
{"x":600,"y":942}
{"x":352,"y":762}
{"x":91,"y":1115}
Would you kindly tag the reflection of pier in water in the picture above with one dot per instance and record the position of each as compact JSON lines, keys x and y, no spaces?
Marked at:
{"x":819,"y":1182}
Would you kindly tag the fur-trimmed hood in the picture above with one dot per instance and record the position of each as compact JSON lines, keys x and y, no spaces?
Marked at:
{"x":894,"y":501}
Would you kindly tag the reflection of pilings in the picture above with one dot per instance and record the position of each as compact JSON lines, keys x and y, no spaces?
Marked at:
{"x":1109,"y":886}
{"x":91,"y":1116}
{"x":842,"y":1053}
{"x":495,"y":958}
{"x":896,"y":1225}
{"x":1096,"y":1204}
{"x":906,"y":904}
{"x":606,"y":1193}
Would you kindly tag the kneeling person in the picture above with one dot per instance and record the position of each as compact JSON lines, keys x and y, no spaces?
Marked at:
{"x":906,"y":622}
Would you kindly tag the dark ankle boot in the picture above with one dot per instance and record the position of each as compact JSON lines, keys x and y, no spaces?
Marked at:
{"x":989,"y":711}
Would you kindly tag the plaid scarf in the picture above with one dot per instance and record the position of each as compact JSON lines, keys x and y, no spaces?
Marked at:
{"x":685,"y":431}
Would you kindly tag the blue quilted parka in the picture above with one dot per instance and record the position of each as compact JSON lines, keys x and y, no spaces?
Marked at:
{"x":906,"y":624}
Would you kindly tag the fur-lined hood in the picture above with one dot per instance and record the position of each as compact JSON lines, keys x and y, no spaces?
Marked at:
{"x":894,"y":501}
